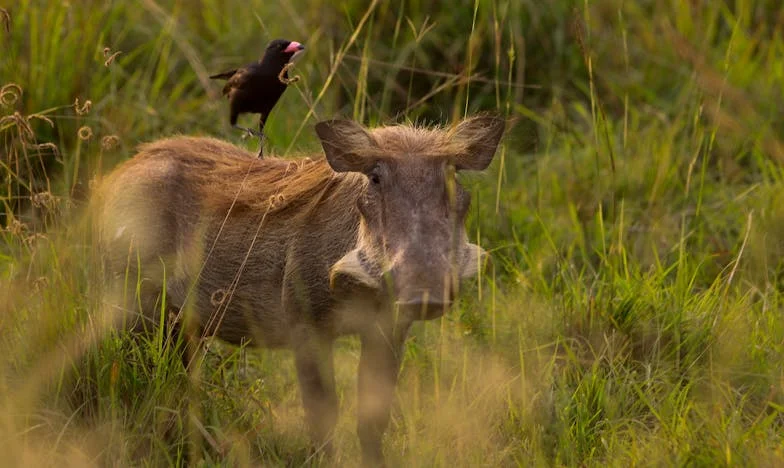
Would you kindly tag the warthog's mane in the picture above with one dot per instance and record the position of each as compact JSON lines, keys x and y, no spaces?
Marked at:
{"x":228,"y":176}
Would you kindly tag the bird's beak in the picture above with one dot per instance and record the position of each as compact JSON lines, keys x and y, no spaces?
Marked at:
{"x":294,"y":47}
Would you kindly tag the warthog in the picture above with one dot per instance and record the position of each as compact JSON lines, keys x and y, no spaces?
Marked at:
{"x":294,"y":253}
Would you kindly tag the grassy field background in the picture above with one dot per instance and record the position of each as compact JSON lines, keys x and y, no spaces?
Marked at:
{"x":632,"y":311}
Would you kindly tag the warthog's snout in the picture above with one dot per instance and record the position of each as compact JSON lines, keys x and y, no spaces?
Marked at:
{"x":425,"y":287}
{"x":421,"y":282}
{"x":443,"y":295}
{"x":425,"y":304}
{"x":421,"y":288}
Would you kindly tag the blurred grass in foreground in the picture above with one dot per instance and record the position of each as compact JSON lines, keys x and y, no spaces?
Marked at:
{"x":632,"y":314}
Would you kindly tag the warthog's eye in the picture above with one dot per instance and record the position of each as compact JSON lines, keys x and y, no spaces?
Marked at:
{"x":374,"y":176}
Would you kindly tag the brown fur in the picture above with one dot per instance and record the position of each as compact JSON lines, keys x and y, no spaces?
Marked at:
{"x":293,"y":253}
{"x":226,"y":175}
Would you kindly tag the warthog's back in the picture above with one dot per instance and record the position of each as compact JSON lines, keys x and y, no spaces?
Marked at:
{"x":227,"y":231}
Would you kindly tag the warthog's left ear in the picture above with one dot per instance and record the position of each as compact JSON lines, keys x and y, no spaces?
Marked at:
{"x":347,"y":145}
{"x":477,"y":139}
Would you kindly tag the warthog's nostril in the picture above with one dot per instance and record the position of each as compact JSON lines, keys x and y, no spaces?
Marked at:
{"x":420,"y":297}
{"x":421,"y":305}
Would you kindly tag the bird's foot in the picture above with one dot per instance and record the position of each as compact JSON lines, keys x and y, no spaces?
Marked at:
{"x":249,"y":132}
{"x":253,"y":133}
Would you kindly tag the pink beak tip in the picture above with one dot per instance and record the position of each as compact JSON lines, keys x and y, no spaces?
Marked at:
{"x":294,"y":46}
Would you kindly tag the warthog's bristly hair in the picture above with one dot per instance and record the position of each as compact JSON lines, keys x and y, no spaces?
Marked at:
{"x":238,"y":179}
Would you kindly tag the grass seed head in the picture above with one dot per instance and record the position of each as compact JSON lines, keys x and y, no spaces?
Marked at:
{"x":82,"y":109}
{"x":110,"y":142}
{"x":85,"y":133}
{"x":9,"y":94}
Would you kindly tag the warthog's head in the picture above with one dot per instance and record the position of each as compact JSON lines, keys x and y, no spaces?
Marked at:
{"x":412,"y":243}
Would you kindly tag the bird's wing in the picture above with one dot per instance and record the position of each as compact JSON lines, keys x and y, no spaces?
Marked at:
{"x":239,"y":79}
{"x":224,"y":75}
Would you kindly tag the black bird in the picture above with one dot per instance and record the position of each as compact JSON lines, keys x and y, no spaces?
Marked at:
{"x":256,"y":87}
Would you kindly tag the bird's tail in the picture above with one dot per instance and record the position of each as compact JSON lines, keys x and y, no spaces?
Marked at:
{"x":223,"y":76}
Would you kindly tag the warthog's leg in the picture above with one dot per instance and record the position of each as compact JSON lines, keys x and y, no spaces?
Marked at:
{"x":379,"y":364}
{"x":316,"y":376}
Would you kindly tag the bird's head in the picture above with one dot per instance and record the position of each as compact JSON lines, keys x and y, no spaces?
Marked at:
{"x":283,"y":51}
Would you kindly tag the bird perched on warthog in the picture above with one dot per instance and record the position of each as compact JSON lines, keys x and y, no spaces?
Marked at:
{"x":257,"y":87}
{"x":295,"y":253}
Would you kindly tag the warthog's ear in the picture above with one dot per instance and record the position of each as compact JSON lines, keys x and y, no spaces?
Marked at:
{"x":477,"y":137}
{"x":347,"y":145}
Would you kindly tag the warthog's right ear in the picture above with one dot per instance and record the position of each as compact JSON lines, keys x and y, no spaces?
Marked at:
{"x":479,"y":136}
{"x":347,"y":145}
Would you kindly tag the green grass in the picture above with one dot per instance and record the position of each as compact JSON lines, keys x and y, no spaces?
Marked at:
{"x":632,"y":311}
